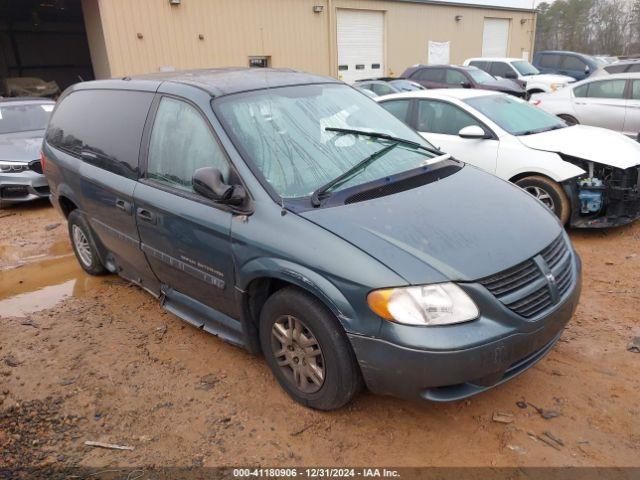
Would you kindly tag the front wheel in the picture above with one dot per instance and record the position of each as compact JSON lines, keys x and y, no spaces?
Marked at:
{"x":549,"y":193}
{"x":308,"y":351}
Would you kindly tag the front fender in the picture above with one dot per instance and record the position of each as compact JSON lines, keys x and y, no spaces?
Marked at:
{"x":517,"y":162}
{"x":302,"y":277}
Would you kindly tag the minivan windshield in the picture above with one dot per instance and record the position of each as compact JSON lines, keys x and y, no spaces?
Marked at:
{"x":287,"y":134}
{"x":24,"y":118}
{"x":525,"y":68}
{"x":515,"y":116}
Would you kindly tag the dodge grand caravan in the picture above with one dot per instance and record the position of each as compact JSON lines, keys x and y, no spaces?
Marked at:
{"x":290,"y":214}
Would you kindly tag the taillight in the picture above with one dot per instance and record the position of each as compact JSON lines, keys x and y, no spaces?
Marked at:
{"x":42,"y":160}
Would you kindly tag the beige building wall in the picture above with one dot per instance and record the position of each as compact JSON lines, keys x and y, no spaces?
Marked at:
{"x":141,"y":36}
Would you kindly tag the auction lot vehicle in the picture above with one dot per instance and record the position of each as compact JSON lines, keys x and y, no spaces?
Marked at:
{"x":453,"y":76}
{"x":528,"y":76}
{"x":588,"y":176}
{"x":572,"y":64}
{"x":22,"y":125}
{"x":611,"y":101}
{"x":290,"y":214}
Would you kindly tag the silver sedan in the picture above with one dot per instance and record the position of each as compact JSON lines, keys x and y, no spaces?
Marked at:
{"x":611,"y":101}
{"x":22,"y":125}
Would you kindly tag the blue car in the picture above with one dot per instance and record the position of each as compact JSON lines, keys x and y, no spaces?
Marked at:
{"x":572,"y":64}
{"x":291,"y":215}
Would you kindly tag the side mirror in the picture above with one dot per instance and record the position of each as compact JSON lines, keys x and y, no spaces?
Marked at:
{"x":208,"y":182}
{"x":472,"y":132}
{"x":511,"y":75}
{"x":587,"y":69}
{"x":466,"y":85}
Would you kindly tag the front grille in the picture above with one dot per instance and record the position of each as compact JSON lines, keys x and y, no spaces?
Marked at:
{"x":532,"y":287}
{"x":13,"y":191}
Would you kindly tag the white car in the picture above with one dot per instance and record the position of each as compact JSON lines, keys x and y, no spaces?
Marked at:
{"x":588,"y":176}
{"x":523,"y":72}
{"x":611,"y":101}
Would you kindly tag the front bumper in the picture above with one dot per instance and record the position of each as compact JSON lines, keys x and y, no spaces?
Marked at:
{"x":22,"y":187}
{"x":454,"y":362}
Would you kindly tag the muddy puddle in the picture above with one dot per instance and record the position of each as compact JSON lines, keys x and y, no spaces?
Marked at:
{"x":42,"y":281}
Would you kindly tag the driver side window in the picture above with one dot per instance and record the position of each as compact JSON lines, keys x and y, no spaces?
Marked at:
{"x":443,"y":118}
{"x":182,"y":142}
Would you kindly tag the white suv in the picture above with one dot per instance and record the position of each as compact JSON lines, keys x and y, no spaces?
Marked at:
{"x":521,"y":71}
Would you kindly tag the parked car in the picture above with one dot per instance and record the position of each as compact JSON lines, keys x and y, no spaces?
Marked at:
{"x":623,"y":66}
{"x":386,"y":86}
{"x":287,"y":213}
{"x":572,"y":64}
{"x":22,"y":125}
{"x":611,"y":102}
{"x":606,"y":59}
{"x":570,"y":169}
{"x":528,"y":76}
{"x":450,"y":76}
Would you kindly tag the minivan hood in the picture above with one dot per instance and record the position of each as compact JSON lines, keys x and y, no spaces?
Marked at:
{"x":596,"y":144}
{"x":464,"y":227}
{"x":21,"y":147}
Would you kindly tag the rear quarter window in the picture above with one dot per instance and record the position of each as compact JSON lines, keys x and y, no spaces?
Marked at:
{"x":101,"y":127}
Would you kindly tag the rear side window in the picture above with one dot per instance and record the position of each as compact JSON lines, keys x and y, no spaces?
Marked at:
{"x":381,"y":89}
{"x":182,"y":142}
{"x":550,"y":60}
{"x":501,"y":69}
{"x":481,"y":65}
{"x":616,"y":68}
{"x":571,"y":62}
{"x":102,"y":127}
{"x":607,"y":89}
{"x":398,"y":108}
{"x":635,"y":91}
{"x":634,"y":67}
{"x":430,"y":75}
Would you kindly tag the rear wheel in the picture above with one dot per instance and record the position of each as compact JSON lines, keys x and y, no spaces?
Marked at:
{"x":549,"y":193}
{"x":569,"y":120}
{"x":308,"y":351}
{"x":83,"y":245}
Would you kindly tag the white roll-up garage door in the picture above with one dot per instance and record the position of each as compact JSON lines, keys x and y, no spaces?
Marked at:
{"x":360,"y":44}
{"x":495,"y":40}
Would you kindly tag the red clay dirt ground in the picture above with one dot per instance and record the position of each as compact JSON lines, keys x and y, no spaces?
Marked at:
{"x":84,"y":358}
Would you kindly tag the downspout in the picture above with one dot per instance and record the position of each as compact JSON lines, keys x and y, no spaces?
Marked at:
{"x":332,"y":48}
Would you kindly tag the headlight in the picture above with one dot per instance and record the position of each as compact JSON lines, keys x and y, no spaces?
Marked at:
{"x":438,"y":304}
{"x":557,"y":86}
{"x":13,"y":167}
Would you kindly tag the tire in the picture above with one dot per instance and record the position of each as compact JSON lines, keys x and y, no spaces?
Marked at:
{"x":549,"y":193}
{"x":83,"y":244}
{"x":302,"y":320}
{"x":569,"y":120}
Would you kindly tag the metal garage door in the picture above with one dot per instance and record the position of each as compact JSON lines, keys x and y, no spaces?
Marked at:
{"x":495,"y":41}
{"x":360,"y":44}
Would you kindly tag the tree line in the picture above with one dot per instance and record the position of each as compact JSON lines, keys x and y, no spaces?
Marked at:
{"x":604,"y":27}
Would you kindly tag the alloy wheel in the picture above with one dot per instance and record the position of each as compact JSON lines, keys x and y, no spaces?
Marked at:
{"x":298,"y":353}
{"x":81,"y":242}
{"x":542,"y":195}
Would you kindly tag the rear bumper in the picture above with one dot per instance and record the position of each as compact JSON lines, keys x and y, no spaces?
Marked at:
{"x":22,"y":187}
{"x":456,"y":373}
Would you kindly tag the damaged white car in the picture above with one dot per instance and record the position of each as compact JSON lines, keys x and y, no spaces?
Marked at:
{"x":588,"y":176}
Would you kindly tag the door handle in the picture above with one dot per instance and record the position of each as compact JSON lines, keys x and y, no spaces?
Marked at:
{"x":146,"y":216}
{"x":123,"y":205}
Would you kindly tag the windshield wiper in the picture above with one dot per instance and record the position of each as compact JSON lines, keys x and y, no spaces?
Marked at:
{"x":322,"y":191}
{"x":384,"y":136}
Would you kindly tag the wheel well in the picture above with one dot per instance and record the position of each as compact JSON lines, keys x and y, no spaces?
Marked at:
{"x":66,"y":205}
{"x":536,"y":90}
{"x":520,"y":176}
